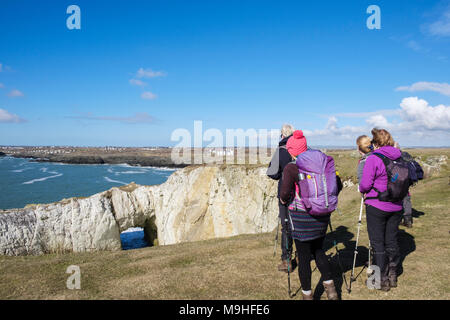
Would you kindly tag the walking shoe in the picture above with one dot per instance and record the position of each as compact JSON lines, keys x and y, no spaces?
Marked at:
{"x":330,"y":289}
{"x":307,"y":296}
{"x":283,"y":266}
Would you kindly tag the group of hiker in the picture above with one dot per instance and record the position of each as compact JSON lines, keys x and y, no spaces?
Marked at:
{"x":308,"y":188}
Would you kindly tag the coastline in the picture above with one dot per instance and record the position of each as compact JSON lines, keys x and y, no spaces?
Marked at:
{"x":97,"y":178}
{"x":135,"y":161}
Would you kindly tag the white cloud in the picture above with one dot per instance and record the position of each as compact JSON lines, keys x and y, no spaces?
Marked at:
{"x":419,"y":115}
{"x":414,"y":123}
{"x":441,"y":27}
{"x":412,"y":44}
{"x":148,"y":95}
{"x":385,"y":112}
{"x":442,"y":88}
{"x":15,"y":93}
{"x":333,"y":131}
{"x":137,"y":82}
{"x":148,"y":73}
{"x":377,"y":121}
{"x":5,"y":116}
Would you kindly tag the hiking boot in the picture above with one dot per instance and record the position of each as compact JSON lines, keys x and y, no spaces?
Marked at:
{"x":392,"y":277}
{"x":394,"y":262}
{"x":393,"y":281}
{"x":385,"y":285}
{"x":330,"y":289}
{"x":307,"y":296}
{"x":283,"y":266}
{"x":407,"y":222}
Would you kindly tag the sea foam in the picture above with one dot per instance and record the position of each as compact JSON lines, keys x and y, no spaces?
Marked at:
{"x":43,"y":179}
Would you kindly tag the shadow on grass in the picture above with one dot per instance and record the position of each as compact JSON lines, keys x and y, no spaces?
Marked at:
{"x":416,"y":214}
{"x":342,"y":260}
{"x":407,"y":245}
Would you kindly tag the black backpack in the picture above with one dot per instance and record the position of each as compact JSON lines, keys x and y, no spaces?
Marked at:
{"x":398,"y":180}
{"x":415,"y":170}
{"x":273,"y":171}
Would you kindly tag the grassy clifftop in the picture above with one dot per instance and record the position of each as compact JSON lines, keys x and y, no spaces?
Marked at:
{"x":243,"y":267}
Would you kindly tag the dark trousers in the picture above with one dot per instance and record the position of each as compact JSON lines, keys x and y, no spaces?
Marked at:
{"x":304,"y":250}
{"x":407,"y":209}
{"x":285,"y":231}
{"x":383,"y":235}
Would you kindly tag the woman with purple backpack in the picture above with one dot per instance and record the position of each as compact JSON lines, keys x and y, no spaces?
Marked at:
{"x":308,"y":231}
{"x":383,"y":217}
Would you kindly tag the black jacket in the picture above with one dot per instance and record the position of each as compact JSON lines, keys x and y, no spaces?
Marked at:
{"x":285,"y":158}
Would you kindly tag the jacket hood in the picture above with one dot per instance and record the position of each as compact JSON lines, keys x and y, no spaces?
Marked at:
{"x":284,"y":141}
{"x":390,"y":152}
{"x":364,"y":157}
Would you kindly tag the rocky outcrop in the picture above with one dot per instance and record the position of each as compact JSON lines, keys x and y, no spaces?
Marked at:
{"x":432,"y":165}
{"x":195,"y":203}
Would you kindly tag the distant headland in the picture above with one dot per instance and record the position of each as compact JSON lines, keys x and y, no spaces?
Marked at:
{"x":155,"y":157}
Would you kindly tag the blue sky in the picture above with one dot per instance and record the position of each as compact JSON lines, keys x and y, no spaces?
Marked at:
{"x":138,"y":70}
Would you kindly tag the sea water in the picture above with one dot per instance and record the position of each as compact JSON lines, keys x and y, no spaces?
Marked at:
{"x":25,"y":182}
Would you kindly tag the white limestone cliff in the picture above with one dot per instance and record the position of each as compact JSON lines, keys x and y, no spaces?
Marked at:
{"x":195,"y":203}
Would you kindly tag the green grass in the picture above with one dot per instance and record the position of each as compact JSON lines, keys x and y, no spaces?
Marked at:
{"x":243,"y":267}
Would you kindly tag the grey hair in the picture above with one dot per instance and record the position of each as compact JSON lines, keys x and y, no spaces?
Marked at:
{"x":287,"y":130}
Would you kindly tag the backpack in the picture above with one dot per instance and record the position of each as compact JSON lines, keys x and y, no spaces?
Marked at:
{"x":415,"y":170}
{"x":274,"y":165}
{"x":317,"y":190}
{"x":398,"y":178}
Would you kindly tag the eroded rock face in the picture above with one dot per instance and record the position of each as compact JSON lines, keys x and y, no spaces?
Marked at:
{"x":193,"y":204}
{"x":69,"y":225}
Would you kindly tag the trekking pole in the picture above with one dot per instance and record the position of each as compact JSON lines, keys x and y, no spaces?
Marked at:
{"x":369,"y":267}
{"x":288,"y":256}
{"x":276,"y":239}
{"x":352,"y":278}
{"x":338,"y":256}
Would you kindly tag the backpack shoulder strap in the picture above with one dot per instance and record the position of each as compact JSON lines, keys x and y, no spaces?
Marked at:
{"x":383,"y":158}
{"x":385,"y":162}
